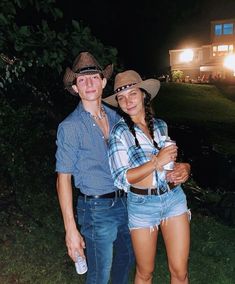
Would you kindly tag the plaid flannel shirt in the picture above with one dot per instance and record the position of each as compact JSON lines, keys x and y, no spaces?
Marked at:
{"x":124,"y":155}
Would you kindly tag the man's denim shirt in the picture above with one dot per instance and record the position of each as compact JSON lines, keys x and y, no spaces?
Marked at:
{"x":83,"y":151}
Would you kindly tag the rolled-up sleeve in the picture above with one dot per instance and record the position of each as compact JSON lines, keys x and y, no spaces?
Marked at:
{"x":66,"y":149}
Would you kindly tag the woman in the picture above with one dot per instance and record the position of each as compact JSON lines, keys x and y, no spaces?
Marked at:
{"x":137,"y":156}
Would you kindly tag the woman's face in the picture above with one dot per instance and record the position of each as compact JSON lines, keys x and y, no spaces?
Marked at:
{"x":131,"y":102}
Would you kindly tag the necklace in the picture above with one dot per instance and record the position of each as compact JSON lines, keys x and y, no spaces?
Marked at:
{"x":102,"y":114}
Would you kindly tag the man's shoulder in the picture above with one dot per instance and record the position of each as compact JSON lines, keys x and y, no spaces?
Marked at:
{"x":72,"y":120}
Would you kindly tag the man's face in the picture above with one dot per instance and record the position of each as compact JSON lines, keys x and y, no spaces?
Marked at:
{"x":90,"y":87}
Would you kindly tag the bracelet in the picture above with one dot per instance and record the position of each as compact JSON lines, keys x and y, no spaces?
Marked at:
{"x":154,"y":160}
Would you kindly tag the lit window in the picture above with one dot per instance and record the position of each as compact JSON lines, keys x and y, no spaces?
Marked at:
{"x":186,"y":55}
{"x":228,"y":29}
{"x":222,"y":50}
{"x":225,"y":29}
{"x":222,"y":47}
{"x":218,"y":30}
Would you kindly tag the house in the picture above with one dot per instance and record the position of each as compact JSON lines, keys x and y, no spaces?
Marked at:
{"x":215,"y":60}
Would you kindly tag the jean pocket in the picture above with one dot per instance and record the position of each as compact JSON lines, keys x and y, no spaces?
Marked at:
{"x":178,"y":196}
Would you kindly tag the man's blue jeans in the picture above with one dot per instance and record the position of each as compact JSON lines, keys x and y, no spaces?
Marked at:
{"x":104,"y":225}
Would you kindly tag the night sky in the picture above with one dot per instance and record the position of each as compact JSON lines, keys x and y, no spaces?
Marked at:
{"x":144,"y":32}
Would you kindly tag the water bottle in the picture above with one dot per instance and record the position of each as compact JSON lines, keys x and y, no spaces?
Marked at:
{"x":170,"y":165}
{"x":81,"y":265}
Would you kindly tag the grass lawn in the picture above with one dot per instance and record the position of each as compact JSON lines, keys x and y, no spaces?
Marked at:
{"x":34,"y":252}
{"x":207,"y":107}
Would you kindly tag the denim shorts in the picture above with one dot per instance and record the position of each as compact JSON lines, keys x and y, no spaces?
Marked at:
{"x":148,"y":211}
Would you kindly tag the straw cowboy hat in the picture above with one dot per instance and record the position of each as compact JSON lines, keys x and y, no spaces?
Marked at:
{"x":84,"y":64}
{"x":131,"y":79}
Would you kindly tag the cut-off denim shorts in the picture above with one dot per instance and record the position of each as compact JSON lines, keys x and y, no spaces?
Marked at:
{"x":148,"y":211}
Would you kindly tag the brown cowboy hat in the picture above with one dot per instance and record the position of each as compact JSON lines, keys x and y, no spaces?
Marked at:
{"x":131,"y":79}
{"x":84,"y":63}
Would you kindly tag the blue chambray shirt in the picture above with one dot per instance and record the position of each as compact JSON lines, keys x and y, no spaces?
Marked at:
{"x":124,"y":155}
{"x":83,"y":152}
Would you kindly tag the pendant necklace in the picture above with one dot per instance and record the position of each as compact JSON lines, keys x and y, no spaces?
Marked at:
{"x":101,"y":116}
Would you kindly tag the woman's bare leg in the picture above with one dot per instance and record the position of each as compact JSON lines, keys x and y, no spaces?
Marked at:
{"x":144,"y":243}
{"x":176,"y":235}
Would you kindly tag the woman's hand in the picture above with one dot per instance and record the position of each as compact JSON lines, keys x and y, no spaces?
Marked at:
{"x":164,"y":156}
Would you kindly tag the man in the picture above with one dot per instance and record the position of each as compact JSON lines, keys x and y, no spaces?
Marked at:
{"x":82,"y":154}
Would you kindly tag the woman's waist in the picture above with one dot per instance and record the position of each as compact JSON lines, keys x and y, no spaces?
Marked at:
{"x":152,"y":190}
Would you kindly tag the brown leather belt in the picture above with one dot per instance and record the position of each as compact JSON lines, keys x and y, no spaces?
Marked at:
{"x":114,"y":194}
{"x":150,"y":191}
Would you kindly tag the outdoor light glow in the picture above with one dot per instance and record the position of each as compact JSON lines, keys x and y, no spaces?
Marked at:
{"x":186,"y":55}
{"x":229,"y":62}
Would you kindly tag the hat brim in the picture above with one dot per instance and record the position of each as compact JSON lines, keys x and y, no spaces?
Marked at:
{"x":69,"y":77}
{"x":151,"y":86}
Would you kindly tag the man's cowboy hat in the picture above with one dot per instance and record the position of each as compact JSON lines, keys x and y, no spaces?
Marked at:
{"x":84,"y":64}
{"x":131,"y":79}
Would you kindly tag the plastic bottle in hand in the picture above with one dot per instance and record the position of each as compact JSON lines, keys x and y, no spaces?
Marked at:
{"x":81,"y":265}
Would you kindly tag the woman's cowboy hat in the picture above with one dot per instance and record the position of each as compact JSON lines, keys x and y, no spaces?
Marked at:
{"x":83,"y":64}
{"x":131,"y":79}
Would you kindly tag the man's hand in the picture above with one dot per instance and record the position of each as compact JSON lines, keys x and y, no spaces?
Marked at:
{"x":74,"y":241}
{"x":75,"y":244}
{"x":180,"y":174}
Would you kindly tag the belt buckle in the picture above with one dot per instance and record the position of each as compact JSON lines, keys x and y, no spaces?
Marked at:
{"x":162,"y":191}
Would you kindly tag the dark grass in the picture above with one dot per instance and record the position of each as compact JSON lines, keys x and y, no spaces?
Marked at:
{"x":197,"y":103}
{"x":33,"y":252}
{"x":207,"y":107}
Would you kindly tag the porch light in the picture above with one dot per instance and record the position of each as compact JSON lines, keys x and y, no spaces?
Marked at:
{"x":229,"y":62}
{"x":186,"y":55}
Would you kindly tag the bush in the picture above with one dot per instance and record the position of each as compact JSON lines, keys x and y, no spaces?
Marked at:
{"x":177,"y":75}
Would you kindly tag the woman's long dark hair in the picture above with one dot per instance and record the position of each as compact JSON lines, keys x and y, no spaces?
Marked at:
{"x":148,"y":118}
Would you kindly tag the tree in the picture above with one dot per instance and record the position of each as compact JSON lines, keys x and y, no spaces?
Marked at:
{"x":42,"y":47}
{"x":33,"y":54}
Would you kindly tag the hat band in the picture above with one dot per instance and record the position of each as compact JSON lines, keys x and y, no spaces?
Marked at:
{"x":88,"y":69}
{"x":124,"y":87}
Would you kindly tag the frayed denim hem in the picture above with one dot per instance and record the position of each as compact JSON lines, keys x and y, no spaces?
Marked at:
{"x":163,"y":222}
